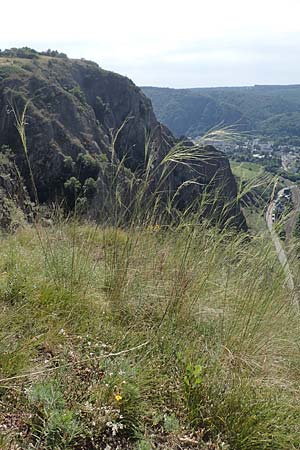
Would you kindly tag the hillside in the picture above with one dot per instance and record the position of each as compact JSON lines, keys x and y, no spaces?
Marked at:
{"x":272,"y":111}
{"x":145,"y":338}
{"x":83,"y":122}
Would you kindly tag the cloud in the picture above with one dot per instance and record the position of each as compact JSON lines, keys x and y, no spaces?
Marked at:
{"x":166,"y":42}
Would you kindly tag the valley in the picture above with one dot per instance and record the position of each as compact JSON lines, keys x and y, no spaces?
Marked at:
{"x":268,"y":111}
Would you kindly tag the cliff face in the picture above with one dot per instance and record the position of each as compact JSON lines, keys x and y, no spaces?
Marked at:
{"x":14,"y":201}
{"x":213,"y":185}
{"x":73,"y":116}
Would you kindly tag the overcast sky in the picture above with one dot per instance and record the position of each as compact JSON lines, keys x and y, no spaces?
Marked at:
{"x":187,"y":43}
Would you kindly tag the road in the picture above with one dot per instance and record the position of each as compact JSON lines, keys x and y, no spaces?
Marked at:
{"x":279,"y":248}
{"x":277,"y":243}
{"x":296,"y":208}
{"x":284,"y":163}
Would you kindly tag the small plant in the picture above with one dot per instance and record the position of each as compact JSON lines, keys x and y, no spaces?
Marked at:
{"x":53,"y":426}
{"x":194,"y":376}
{"x":171,"y":423}
{"x":15,"y":292}
{"x":193,"y":380}
{"x":77,"y":92}
{"x":144,"y":445}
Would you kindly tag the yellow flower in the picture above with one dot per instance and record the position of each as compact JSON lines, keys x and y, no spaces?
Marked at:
{"x":154,"y":228}
{"x":118,"y":397}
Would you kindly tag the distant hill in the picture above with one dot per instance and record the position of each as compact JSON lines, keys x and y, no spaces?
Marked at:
{"x":272,"y":111}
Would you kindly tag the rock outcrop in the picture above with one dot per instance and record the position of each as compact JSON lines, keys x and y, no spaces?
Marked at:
{"x":75,"y":111}
{"x":15,"y":205}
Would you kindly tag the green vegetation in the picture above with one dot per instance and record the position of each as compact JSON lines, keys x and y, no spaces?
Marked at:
{"x":272,"y":111}
{"x":286,"y":124}
{"x":243,"y":159}
{"x":80,"y":178}
{"x":29,"y":53}
{"x":296,"y":231}
{"x":257,"y":187}
{"x":96,"y":333}
{"x":246,"y":170}
{"x":87,"y":166}
{"x":140,"y":332}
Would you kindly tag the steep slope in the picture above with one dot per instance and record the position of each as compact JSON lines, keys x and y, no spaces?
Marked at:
{"x":14,"y":200}
{"x":263,"y":110}
{"x":76,"y":111}
{"x":191,"y":113}
{"x":74,"y":106}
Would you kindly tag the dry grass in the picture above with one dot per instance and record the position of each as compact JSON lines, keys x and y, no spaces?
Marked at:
{"x":209,"y":345}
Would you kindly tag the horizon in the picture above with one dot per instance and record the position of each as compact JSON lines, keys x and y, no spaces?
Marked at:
{"x":224,"y":87}
{"x":207,"y":45}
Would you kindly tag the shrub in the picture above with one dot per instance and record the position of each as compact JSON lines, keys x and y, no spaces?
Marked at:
{"x":68,"y":166}
{"x":77,"y":92}
{"x":89,"y":187}
{"x":87,"y":167}
{"x":72,"y":188}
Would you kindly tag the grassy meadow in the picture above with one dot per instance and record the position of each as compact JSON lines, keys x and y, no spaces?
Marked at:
{"x":142,"y":338}
{"x":246,"y":170}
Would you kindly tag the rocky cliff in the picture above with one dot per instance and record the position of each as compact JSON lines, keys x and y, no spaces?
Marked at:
{"x":15,"y":205}
{"x":76,"y":111}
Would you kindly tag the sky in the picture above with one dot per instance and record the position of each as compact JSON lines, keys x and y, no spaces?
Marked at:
{"x":187,"y":43}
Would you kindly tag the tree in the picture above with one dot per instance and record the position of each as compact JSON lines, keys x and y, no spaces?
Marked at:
{"x":72,"y":188}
